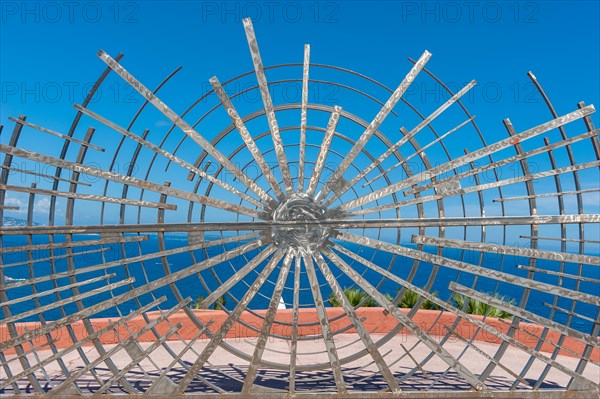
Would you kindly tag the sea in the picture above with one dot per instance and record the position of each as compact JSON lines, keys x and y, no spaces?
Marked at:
{"x":434,"y":279}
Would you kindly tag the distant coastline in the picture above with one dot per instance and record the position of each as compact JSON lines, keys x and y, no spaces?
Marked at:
{"x":9,"y":221}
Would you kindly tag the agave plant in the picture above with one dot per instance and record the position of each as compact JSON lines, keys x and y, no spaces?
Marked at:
{"x":480,"y":308}
{"x":355,"y":297}
{"x":409,"y":300}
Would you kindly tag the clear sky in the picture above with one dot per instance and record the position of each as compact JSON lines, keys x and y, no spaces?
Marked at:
{"x":48,"y":51}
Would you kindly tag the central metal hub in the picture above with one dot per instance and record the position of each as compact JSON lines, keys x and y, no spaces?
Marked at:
{"x":299,"y":226}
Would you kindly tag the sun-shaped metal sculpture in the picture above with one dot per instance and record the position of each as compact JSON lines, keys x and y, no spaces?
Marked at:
{"x":271,"y":212}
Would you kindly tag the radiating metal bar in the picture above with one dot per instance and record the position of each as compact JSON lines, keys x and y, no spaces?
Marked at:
{"x":546,"y":195}
{"x":488,"y":357}
{"x":228,"y":323}
{"x":417,"y":364}
{"x":414,"y":154}
{"x":323,"y":151}
{"x":83,"y":341}
{"x":532,"y":203}
{"x":334,"y":223}
{"x":477,"y":188}
{"x":131,"y":181}
{"x":4,"y":362}
{"x":560,"y":200}
{"x":519,"y":157}
{"x":30,"y":351}
{"x":284,"y":107}
{"x":331,"y":350}
{"x":53,"y":133}
{"x":7,"y":312}
{"x":362,"y":332}
{"x":393,"y":277}
{"x":49,"y":381}
{"x":524,"y":314}
{"x":438,"y":301}
{"x":560,"y":274}
{"x":294,"y":343}
{"x":587,"y":120}
{"x":138,"y":358}
{"x":64,"y":322}
{"x":58,"y":289}
{"x":38,"y":260}
{"x":589,"y":124}
{"x":541,"y":338}
{"x":261,"y":343}
{"x":505,"y":161}
{"x":139,"y":258}
{"x":132,"y":338}
{"x":179,"y":358}
{"x":9,"y":207}
{"x":425,"y":122}
{"x":472,"y":156}
{"x":66,"y":301}
{"x":158,"y":150}
{"x":507,"y":250}
{"x":134,"y":293}
{"x":561,"y":239}
{"x":469,"y":268}
{"x":32,"y":173}
{"x":569,"y":312}
{"x":532,"y":352}
{"x":332,"y":183}
{"x":303,"y":121}
{"x":173,"y":251}
{"x":406,"y":321}
{"x":87,"y":197}
{"x":268,"y":105}
{"x":72,"y":244}
{"x":185,"y":127}
{"x":237,"y":277}
{"x":247,"y":137}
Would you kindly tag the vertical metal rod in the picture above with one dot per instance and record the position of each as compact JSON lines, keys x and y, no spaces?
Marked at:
{"x":331,"y":350}
{"x":362,"y":332}
{"x":303,"y":118}
{"x":331,"y":184}
{"x":246,"y":137}
{"x":320,"y":161}
{"x":268,"y":105}
{"x":294,"y":343}
{"x":228,"y":323}
{"x":440,"y":351}
{"x":261,"y":343}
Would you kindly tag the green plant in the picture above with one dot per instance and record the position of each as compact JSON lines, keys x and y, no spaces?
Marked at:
{"x":219,"y":303}
{"x":427,"y":304}
{"x":482,"y":308}
{"x":410,"y":298}
{"x":355,"y":297}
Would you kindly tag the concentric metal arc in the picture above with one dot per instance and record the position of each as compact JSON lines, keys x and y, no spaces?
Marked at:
{"x":281,"y":219}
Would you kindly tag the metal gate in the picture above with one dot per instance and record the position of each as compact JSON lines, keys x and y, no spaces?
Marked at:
{"x":217,"y":250}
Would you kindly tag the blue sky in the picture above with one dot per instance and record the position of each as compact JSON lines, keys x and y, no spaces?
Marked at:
{"x":48,"y":55}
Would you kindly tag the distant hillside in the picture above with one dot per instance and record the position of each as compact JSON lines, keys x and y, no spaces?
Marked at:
{"x":8,"y":221}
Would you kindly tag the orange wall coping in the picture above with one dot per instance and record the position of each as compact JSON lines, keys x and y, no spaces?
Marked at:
{"x":375,"y":319}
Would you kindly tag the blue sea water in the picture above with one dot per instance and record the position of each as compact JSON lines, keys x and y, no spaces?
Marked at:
{"x":194,"y":287}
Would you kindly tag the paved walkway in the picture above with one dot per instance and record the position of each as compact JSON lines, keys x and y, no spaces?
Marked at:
{"x":227,"y":371}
